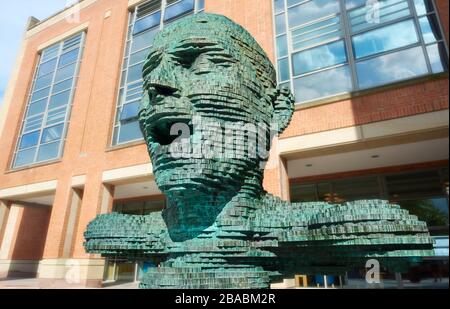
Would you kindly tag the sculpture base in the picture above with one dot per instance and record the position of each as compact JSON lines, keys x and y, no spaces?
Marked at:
{"x":204,"y":278}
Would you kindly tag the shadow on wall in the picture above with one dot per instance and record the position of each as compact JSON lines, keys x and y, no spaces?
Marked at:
{"x":30,"y":241}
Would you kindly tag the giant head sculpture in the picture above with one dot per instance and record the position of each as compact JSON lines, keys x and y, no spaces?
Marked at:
{"x":207,"y":69}
{"x":206,"y":74}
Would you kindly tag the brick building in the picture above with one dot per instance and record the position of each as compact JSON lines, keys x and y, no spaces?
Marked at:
{"x":371,"y":119}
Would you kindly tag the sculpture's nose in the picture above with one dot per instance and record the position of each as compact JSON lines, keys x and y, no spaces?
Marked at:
{"x":162,"y":80}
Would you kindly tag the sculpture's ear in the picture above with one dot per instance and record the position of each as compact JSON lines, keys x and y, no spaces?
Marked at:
{"x":283,"y":107}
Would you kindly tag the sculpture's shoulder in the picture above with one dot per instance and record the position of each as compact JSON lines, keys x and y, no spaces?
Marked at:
{"x":115,"y":233}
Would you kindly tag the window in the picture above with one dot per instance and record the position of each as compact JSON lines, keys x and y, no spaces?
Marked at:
{"x":422,"y":193}
{"x":45,"y":121}
{"x":143,"y":207}
{"x":145,"y":22}
{"x":330,"y":47}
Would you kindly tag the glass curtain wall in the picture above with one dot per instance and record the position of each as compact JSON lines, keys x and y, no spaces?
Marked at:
{"x":331,"y":47}
{"x":47,"y":114}
{"x":144,"y":23}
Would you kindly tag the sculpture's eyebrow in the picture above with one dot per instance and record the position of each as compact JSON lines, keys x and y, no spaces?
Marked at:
{"x":153,"y":60}
{"x":199,"y":45}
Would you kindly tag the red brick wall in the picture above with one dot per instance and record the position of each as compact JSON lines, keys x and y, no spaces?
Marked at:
{"x":400,"y":102}
{"x":31,"y":232}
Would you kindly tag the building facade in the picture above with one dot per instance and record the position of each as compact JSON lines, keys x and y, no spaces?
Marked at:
{"x":371,"y":121}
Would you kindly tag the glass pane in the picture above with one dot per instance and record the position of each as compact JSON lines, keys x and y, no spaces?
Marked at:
{"x":385,"y":39}
{"x":317,"y":33}
{"x":293,"y":2}
{"x":350,"y":4}
{"x":423,"y":7}
{"x":433,"y":211}
{"x":319,"y":57}
{"x":115,"y":135}
{"x":37,"y":107}
{"x":25,"y":157}
{"x":438,"y":57}
{"x":430,"y":29}
{"x":139,"y":56}
{"x":378,"y":13}
{"x":68,"y":57}
{"x":153,"y":206}
{"x":133,"y":208}
{"x":33,"y":123}
{"x":356,"y":189}
{"x":59,"y":99}
{"x":282,"y":49}
{"x":134,"y":96}
{"x":56,"y":116}
{"x":67,"y":84}
{"x":52,"y":133}
{"x":40,"y":94}
{"x":29,"y":140}
{"x":283,"y":69}
{"x":48,"y":152}
{"x":147,"y":22}
{"x":412,"y":185}
{"x":303,"y":193}
{"x":143,"y":40}
{"x":46,"y":68}
{"x":201,"y":5}
{"x":391,"y":67}
{"x":50,"y":53}
{"x":324,"y":192}
{"x":43,"y":81}
{"x":323,"y":84}
{"x":148,"y":7}
{"x":312,"y":10}
{"x":135,"y":72}
{"x":179,"y":9}
{"x":130,"y":111}
{"x":71,"y":42}
{"x":129,"y":132}
{"x":280,"y":24}
{"x":65,"y":72}
{"x":279,"y":6}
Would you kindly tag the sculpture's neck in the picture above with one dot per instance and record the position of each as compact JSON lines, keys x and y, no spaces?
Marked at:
{"x":191,"y":212}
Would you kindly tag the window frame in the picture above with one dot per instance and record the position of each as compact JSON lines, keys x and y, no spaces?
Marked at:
{"x":347,"y":35}
{"x":45,"y":113}
{"x":382,"y":185}
{"x":123,"y":82}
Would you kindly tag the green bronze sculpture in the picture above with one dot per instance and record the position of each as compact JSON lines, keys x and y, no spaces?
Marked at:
{"x":220,"y":228}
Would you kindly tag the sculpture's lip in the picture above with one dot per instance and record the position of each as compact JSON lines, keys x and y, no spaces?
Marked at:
{"x":161,"y":124}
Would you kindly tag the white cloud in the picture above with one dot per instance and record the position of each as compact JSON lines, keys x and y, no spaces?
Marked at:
{"x":13,"y":18}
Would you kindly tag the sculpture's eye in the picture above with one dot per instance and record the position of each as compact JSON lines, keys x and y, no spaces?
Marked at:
{"x":186,"y":57}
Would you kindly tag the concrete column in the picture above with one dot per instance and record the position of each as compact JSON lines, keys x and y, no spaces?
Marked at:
{"x":66,"y":263}
{"x":4,"y":211}
{"x":8,"y":241}
{"x":107,"y":199}
{"x":77,"y":196}
{"x":8,"y":236}
{"x":54,"y":244}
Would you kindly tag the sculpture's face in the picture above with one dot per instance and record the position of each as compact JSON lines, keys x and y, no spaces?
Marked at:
{"x":204,"y":67}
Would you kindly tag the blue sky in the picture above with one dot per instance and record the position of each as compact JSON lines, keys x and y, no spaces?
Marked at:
{"x":13,"y":17}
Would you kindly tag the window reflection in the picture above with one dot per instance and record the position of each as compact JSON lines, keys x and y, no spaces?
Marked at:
{"x":45,"y":118}
{"x":422,"y":193}
{"x":385,"y":39}
{"x":322,"y":84}
{"x":391,"y":67}
{"x":312,"y":10}
{"x":319,"y":57}
{"x":378,"y":43}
